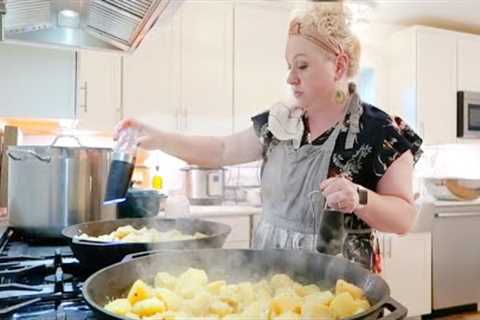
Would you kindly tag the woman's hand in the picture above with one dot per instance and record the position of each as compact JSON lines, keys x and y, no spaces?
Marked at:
{"x":145,"y":133}
{"x":341,"y":194}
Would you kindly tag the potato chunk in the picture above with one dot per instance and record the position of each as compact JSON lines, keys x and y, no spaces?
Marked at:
{"x":148,"y":307}
{"x":119,"y":307}
{"x":343,"y":286}
{"x":139,"y":291}
{"x":343,"y":305}
{"x":165,"y":280}
{"x":171,"y":299}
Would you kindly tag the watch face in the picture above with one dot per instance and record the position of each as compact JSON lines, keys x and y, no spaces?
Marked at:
{"x":362,"y":196}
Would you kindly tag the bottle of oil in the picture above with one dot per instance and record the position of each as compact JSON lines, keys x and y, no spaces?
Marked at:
{"x":157,"y":180}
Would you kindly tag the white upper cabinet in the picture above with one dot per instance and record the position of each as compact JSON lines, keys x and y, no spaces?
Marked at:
{"x":37,"y":82}
{"x":180,"y":79}
{"x":149,"y":90}
{"x":206,"y":57}
{"x":468,"y":63}
{"x":99,"y":90}
{"x":422,"y":81}
{"x":436,"y":85}
{"x":261,"y":29}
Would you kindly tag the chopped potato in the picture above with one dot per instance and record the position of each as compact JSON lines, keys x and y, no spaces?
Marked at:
{"x":130,"y":234}
{"x":215,"y":286}
{"x":220,"y":308}
{"x":165,"y":280}
{"x":148,"y":307}
{"x":286,"y":302}
{"x":119,"y":307}
{"x":190,"y":281}
{"x":139,"y":291}
{"x":190,"y":296}
{"x":324,"y":297}
{"x":316,"y":311}
{"x":170,"y":298}
{"x":343,"y":305}
{"x":343,"y":286}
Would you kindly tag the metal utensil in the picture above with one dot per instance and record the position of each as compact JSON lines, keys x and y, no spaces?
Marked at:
{"x":328,"y":228}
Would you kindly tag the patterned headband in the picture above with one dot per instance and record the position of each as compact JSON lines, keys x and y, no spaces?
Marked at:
{"x":311,"y":33}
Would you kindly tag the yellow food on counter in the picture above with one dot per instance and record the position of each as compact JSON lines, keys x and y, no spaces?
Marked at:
{"x":130,"y":234}
{"x":192,"y":295}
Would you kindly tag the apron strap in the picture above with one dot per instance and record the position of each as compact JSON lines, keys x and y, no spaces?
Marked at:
{"x":355,"y":110}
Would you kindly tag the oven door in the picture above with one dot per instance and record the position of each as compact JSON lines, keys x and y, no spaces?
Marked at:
{"x":468,"y":114}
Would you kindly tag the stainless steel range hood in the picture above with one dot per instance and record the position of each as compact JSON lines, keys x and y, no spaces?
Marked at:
{"x":116,"y":25}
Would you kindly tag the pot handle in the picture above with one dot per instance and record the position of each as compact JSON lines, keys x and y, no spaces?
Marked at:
{"x":66,"y":136}
{"x":76,"y":240}
{"x":12,"y":155}
{"x":397,"y":310}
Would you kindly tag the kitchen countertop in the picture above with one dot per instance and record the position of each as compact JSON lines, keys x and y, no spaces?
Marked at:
{"x":428,"y":207}
{"x":222,"y":211}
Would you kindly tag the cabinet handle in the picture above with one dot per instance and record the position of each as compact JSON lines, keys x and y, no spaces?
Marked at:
{"x":457,"y":215}
{"x":390,"y":247}
{"x":185,"y":117}
{"x":176,"y":119}
{"x":85,"y":96}
{"x":383,"y":247}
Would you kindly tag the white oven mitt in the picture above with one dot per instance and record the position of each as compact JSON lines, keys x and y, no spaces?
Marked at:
{"x":285,"y":123}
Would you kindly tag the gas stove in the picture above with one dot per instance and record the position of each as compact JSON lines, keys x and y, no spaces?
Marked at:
{"x":40,"y":281}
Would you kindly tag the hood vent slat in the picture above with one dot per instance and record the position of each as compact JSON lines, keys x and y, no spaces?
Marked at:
{"x":111,"y":20}
{"x":112,"y":25}
{"x":28,"y":15}
{"x":138,"y":8}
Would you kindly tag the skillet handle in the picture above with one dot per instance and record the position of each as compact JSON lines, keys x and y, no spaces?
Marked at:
{"x":76,"y":240}
{"x":397,"y":311}
{"x":132,"y":256}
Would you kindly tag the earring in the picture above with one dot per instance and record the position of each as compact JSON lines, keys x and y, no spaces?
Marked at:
{"x":340,"y":96}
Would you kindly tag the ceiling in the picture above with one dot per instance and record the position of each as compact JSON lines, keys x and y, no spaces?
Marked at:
{"x":458,"y":15}
{"x":384,"y":17}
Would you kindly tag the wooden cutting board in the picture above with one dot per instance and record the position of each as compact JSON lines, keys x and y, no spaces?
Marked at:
{"x":11,"y":137}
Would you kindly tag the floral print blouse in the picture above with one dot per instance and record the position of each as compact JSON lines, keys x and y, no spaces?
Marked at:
{"x":381,"y":140}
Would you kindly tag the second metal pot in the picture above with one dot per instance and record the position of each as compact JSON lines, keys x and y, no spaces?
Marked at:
{"x":51,"y":187}
{"x":204,"y":186}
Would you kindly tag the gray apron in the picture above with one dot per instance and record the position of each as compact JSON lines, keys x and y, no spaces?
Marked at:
{"x":289,"y":177}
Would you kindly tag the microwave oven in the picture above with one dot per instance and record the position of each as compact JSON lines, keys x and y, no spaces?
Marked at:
{"x":468,"y":114}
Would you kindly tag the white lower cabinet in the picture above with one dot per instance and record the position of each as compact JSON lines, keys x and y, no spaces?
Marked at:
{"x":407,"y":269}
{"x":239,"y":237}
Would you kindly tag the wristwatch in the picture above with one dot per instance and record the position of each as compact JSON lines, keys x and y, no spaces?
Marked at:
{"x":362,"y":196}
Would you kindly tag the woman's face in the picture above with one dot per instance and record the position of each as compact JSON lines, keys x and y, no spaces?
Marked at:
{"x":312,"y":75}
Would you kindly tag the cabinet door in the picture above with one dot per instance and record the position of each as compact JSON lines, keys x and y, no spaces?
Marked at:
{"x":240,"y":233}
{"x":407,"y":270}
{"x":261,"y":30}
{"x":436,"y":85}
{"x":37,"y":82}
{"x":99,"y":90}
{"x":468,"y":49}
{"x":206,"y":57}
{"x":150,"y":80}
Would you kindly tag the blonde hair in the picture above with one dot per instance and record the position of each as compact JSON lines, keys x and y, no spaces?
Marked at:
{"x":332,"y":19}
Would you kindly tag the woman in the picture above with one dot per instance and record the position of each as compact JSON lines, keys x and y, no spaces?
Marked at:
{"x":357,"y":159}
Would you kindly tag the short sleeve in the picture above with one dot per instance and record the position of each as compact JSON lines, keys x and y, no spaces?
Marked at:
{"x":260,"y":122}
{"x":395,"y":139}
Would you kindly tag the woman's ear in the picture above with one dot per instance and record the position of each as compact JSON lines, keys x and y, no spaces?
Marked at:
{"x":341,"y":66}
